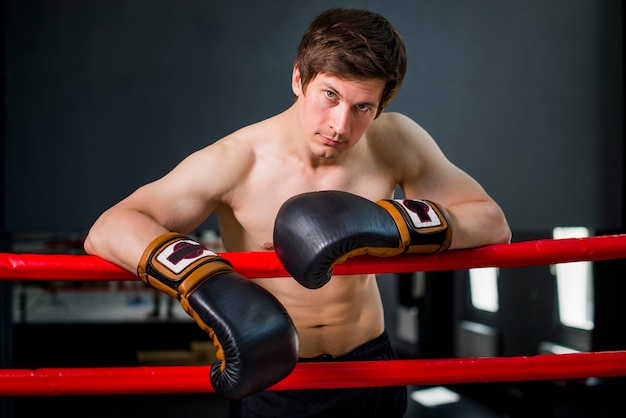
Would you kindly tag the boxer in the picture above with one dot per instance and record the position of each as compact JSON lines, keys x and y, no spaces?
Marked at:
{"x":334,"y":137}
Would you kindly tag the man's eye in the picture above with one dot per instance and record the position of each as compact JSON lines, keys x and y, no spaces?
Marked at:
{"x":330,"y":94}
{"x":363,"y":107}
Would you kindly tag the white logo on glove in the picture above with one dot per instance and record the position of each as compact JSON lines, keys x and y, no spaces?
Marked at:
{"x":179,"y":255}
{"x":422,"y":214}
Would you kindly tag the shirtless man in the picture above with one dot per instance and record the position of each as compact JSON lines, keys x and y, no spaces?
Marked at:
{"x":349,"y":67}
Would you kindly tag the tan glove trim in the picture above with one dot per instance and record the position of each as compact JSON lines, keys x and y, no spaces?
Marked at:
{"x":403,"y":218}
{"x":220,"y":350}
{"x":394,"y":211}
{"x":157,"y":271}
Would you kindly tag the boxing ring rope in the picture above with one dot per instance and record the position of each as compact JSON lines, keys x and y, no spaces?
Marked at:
{"x":195,"y":379}
{"x":187,"y":379}
{"x":68,"y":267}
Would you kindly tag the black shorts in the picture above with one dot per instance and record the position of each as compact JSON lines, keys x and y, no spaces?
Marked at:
{"x":388,"y":402}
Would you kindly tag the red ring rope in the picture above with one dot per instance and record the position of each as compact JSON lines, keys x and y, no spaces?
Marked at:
{"x":266,"y":264}
{"x":195,"y":379}
{"x":185,"y":379}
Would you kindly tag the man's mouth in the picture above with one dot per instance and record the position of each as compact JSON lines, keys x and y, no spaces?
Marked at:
{"x":330,"y":141}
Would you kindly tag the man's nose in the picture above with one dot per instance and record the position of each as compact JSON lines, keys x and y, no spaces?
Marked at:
{"x":340,"y":121}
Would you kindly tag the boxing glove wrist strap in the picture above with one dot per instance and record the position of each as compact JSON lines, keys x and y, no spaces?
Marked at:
{"x":176,"y":264}
{"x":423,"y":225}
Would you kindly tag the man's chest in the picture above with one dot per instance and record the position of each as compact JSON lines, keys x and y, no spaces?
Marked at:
{"x":254,"y":211}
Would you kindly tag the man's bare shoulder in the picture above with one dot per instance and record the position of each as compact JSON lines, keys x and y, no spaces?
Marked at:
{"x":240,"y":145}
{"x":223,"y":163}
{"x":402,"y":144}
{"x":231,"y":159}
{"x":250,"y":137}
{"x":395,"y":124}
{"x":395,"y":133}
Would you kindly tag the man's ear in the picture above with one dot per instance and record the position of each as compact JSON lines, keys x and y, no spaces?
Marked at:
{"x":296,"y":82}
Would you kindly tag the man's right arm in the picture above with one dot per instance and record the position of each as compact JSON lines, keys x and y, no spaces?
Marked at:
{"x":177,"y":202}
{"x":122,"y":232}
{"x":257,"y":342}
{"x":133,"y":231}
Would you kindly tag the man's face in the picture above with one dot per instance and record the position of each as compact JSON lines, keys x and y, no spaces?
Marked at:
{"x":333,"y":113}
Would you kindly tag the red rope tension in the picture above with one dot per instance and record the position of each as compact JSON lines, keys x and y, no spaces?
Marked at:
{"x":185,"y":379}
{"x":265,"y":264}
{"x":195,"y":379}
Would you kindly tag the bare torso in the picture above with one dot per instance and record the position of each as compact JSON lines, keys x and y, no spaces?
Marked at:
{"x":348,"y":310}
{"x":245,"y":178}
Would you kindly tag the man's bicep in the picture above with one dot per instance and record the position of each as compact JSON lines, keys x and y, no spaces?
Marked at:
{"x":177,"y":208}
{"x":447,"y":184}
{"x":183,"y":198}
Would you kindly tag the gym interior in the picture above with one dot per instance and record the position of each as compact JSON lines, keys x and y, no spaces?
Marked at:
{"x":526,"y":96}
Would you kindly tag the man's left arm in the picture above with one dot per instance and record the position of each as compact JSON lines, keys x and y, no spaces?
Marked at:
{"x":476,"y":218}
{"x":425,"y":172}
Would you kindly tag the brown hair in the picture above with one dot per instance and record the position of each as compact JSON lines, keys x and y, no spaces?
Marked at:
{"x":356,"y":44}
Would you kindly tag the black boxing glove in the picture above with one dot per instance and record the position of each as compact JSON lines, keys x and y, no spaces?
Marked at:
{"x":314,"y":231}
{"x":256,"y":340}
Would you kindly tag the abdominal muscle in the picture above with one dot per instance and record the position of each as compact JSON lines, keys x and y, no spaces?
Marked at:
{"x":335,"y":319}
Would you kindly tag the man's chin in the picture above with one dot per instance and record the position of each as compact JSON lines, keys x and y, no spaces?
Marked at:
{"x":329,"y":154}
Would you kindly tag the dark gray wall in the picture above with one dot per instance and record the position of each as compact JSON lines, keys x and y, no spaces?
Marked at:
{"x":103,"y":96}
